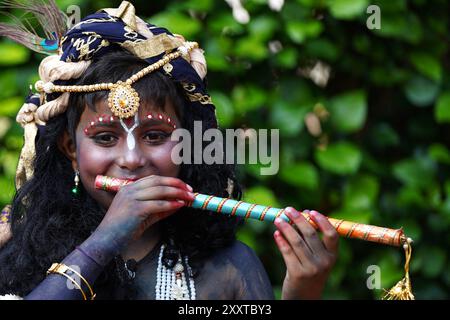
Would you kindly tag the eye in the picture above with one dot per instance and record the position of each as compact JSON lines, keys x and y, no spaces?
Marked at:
{"x":104,"y":138}
{"x":155,"y":137}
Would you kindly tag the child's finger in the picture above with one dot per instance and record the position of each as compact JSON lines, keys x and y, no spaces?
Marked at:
{"x":290,"y":258}
{"x":156,"y":207}
{"x":163,"y":192}
{"x":295,"y":241}
{"x":330,"y":235}
{"x":155,"y":180}
{"x":309,"y":234}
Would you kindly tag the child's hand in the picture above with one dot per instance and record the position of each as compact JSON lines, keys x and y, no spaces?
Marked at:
{"x":308,"y":258}
{"x":139,"y":205}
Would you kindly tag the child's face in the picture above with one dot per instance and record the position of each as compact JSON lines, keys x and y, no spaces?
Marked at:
{"x":102,"y":147}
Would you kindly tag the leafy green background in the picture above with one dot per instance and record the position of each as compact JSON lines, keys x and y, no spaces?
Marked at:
{"x":382,"y":154}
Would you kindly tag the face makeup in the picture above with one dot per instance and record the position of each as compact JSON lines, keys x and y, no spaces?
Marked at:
{"x":105,"y":147}
{"x":131,"y":142}
{"x":107,"y":119}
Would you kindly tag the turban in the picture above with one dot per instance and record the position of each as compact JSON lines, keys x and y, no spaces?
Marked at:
{"x":72,"y":51}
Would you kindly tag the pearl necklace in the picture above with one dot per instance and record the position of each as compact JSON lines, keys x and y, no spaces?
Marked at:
{"x":172,"y":284}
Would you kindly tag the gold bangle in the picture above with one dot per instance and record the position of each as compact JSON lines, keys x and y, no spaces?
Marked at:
{"x":61,"y":268}
{"x":85,"y":282}
{"x":55,"y":269}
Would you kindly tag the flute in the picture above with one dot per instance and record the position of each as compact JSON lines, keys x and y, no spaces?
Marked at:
{"x":231,"y":207}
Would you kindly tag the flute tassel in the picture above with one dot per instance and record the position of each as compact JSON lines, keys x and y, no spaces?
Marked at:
{"x":402,"y":290}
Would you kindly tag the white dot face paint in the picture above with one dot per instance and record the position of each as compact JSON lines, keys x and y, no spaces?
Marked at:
{"x":131,"y":141}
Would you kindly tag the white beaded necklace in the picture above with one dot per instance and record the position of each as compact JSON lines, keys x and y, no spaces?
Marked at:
{"x":171,"y":284}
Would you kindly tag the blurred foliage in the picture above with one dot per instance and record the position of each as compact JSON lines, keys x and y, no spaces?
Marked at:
{"x":380,"y":154}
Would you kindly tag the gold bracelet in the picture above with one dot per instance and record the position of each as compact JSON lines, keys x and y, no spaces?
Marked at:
{"x":55,"y":269}
{"x":61,"y":269}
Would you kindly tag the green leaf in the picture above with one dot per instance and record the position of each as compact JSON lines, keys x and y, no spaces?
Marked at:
{"x":447,"y":188}
{"x":435,"y":261}
{"x":445,"y":207}
{"x":322,"y":49}
{"x":11,"y":106}
{"x":347,"y":9}
{"x":247,"y":97}
{"x":13,"y":54}
{"x":252,"y":48}
{"x":199,"y":5}
{"x":178,"y":22}
{"x":262,"y":27}
{"x":261,"y":195}
{"x":439,"y":153}
{"x":216,"y":51}
{"x":249,"y":238}
{"x":67,"y":3}
{"x":255,"y":170}
{"x":5,"y":124}
{"x":289,"y":118}
{"x":361,"y":192}
{"x":412,"y":229}
{"x":287,"y":58}
{"x":9,"y":161}
{"x":442,"y":109}
{"x":391,"y":270}
{"x":8,"y":83}
{"x":411,"y":197}
{"x":414,"y":172}
{"x":391,"y":6}
{"x":224,"y":108}
{"x":388,"y":76}
{"x":301,"y":174}
{"x":428,"y":65}
{"x":295,"y":92}
{"x":340,"y":158}
{"x":224,"y":24}
{"x":14,"y":142}
{"x":433,"y":196}
{"x":299,"y":31}
{"x":354,"y":215}
{"x":348,"y":111}
{"x":421,"y":91}
{"x":309,"y":3}
{"x":403,"y":26}
{"x":338,"y":273}
{"x":293,"y":11}
{"x":7,"y":188}
{"x":438,"y":223}
{"x":383,"y":135}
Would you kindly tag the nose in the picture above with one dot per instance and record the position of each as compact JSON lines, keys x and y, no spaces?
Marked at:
{"x":131,"y":159}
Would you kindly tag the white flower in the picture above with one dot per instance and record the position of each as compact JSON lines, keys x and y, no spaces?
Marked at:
{"x":239,"y":13}
{"x":276,"y":5}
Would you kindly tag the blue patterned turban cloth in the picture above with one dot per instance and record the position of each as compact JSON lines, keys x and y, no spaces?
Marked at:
{"x":103,"y":32}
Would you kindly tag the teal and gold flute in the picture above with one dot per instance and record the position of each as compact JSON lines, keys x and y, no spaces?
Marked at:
{"x":231,"y":207}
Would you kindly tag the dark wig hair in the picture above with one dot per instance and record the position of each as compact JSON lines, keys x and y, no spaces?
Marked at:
{"x":48,"y":221}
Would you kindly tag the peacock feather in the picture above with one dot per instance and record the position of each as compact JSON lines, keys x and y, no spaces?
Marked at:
{"x":44,"y":14}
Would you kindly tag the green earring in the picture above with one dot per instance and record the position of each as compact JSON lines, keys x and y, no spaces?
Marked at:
{"x":77,"y":181}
